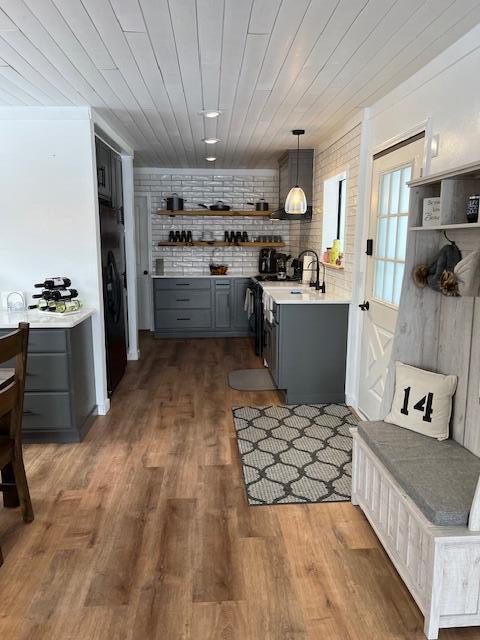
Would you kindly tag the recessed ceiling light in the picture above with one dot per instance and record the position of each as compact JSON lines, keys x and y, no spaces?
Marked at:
{"x":210,"y":158}
{"x":210,"y":113}
{"x":210,"y":140}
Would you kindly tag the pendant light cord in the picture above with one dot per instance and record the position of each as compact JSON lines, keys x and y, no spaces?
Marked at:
{"x":298,"y":153}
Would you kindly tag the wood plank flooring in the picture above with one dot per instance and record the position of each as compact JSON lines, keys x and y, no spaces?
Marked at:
{"x":143,"y":531}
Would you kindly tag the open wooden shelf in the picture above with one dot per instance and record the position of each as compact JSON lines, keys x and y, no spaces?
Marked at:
{"x":446,"y":227}
{"x":208,"y":212}
{"x":328,"y":265}
{"x":218,"y":243}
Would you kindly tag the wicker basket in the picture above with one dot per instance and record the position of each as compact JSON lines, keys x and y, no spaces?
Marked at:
{"x":218,"y":269}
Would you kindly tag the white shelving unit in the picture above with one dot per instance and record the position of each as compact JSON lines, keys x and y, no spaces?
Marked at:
{"x":454,"y":189}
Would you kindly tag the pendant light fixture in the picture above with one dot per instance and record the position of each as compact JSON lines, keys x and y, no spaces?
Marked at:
{"x":296,"y":202}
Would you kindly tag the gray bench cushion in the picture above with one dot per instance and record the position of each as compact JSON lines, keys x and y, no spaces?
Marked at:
{"x":440,"y":477}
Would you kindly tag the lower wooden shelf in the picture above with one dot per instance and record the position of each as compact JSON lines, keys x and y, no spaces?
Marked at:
{"x":218,"y":243}
{"x":446,"y":227}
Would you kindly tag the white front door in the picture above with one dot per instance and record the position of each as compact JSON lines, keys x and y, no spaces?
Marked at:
{"x":388,"y":230}
{"x":144,"y":280}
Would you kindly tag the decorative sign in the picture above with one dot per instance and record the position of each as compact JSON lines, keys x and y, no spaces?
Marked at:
{"x":431,"y":212}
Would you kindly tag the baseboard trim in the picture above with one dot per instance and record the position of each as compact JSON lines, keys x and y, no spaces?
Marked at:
{"x":133,"y":354}
{"x":104,"y":408}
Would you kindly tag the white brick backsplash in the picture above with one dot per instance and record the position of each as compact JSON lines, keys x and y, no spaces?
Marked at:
{"x":340,"y":156}
{"x":235,"y":190}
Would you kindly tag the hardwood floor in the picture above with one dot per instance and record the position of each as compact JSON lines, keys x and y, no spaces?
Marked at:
{"x":143,"y":531}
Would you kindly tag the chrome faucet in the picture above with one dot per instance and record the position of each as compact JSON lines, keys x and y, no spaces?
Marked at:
{"x":316,"y":284}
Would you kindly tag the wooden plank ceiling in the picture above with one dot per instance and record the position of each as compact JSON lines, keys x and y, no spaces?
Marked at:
{"x":150,"y":66}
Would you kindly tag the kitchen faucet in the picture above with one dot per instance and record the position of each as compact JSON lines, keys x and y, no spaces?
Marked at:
{"x":316,"y":284}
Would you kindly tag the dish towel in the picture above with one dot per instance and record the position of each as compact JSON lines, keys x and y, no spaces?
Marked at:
{"x":248,"y":304}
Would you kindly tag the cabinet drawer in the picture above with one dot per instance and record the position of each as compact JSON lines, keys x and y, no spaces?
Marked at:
{"x":44,"y":340}
{"x":47,"y":372}
{"x":182,"y":283}
{"x":46,"y":410}
{"x":188,"y":299}
{"x":183,"y":319}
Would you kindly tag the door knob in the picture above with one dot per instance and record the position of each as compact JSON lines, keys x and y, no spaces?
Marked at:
{"x":365,"y":306}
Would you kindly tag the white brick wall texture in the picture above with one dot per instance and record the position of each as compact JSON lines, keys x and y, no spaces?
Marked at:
{"x":235,"y":190}
{"x":343,"y":155}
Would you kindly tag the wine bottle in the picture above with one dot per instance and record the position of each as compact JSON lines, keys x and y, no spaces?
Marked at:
{"x":57,"y":294}
{"x":53,"y":283}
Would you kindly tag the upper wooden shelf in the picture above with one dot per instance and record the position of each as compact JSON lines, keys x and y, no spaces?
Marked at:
{"x":208,"y":212}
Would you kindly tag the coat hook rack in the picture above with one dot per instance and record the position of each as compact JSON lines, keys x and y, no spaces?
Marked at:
{"x":448,"y":239}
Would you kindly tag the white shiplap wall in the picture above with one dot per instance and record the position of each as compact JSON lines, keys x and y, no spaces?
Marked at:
{"x":235,"y":189}
{"x":342,"y":155}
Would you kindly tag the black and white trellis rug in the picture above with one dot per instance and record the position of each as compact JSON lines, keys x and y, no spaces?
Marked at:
{"x":296,"y":453}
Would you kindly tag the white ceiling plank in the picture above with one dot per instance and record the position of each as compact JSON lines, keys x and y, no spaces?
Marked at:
{"x":263,"y":16}
{"x":6,"y":24}
{"x":255,"y":49}
{"x":18,"y":60}
{"x":184,"y":22}
{"x":210,"y":15}
{"x":235,"y":28}
{"x":146,"y":61}
{"x":160,"y":30}
{"x":285,"y":30}
{"x":22,"y":91}
{"x":79,"y":21}
{"x":239,"y":153}
{"x":129,"y":15}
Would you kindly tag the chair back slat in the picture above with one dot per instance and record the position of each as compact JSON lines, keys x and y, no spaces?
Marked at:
{"x":8,"y":398}
{"x":14,"y":345}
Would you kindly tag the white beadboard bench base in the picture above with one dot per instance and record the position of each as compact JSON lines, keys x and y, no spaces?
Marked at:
{"x":439,"y":565}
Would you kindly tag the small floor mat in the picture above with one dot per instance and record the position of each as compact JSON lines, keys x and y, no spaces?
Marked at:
{"x":295,"y":453}
{"x":251,"y":380}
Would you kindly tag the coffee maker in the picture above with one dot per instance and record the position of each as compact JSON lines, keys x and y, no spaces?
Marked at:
{"x":281,"y":260}
{"x":267,"y":260}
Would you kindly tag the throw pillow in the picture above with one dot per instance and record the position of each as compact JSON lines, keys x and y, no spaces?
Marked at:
{"x":422,"y":401}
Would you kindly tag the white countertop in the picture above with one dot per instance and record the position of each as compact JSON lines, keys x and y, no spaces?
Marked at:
{"x":40,"y":320}
{"x":205,"y":275}
{"x":280,"y":293}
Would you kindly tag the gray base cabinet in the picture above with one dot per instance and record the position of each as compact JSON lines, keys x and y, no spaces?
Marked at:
{"x":200,"y":307}
{"x":306,"y":351}
{"x":59,"y":403}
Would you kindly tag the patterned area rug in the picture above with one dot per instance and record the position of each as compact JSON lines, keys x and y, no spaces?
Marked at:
{"x":296,"y":453}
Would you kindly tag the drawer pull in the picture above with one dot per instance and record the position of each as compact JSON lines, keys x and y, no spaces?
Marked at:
{"x":182,"y":284}
{"x":183,"y":318}
{"x":27,"y":412}
{"x":182,"y":300}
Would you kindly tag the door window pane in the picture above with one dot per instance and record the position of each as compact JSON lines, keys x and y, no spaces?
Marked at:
{"x":404,"y":190}
{"x":391,"y":238}
{"x":394,"y":191}
{"x":388,"y":281}
{"x":378,"y":286}
{"x":381,"y":236}
{"x":384,"y":194}
{"x":402,"y":227}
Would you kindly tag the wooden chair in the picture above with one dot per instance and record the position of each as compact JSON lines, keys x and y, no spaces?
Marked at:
{"x":14,"y":481}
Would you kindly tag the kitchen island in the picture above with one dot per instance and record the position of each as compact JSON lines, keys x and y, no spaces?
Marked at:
{"x":306,"y":341}
{"x":59,"y":403}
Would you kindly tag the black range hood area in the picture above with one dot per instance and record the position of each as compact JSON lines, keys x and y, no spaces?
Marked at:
{"x":287,"y":174}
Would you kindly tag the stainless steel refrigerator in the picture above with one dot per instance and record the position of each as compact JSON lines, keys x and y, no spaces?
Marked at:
{"x":114,"y":284}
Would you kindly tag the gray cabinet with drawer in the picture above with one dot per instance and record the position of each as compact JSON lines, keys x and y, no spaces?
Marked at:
{"x":200,"y":307}
{"x":60,"y":402}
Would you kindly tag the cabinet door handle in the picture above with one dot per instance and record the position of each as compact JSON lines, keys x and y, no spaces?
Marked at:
{"x":182,"y":300}
{"x":27,"y":412}
{"x":182,"y":284}
{"x":183,"y":318}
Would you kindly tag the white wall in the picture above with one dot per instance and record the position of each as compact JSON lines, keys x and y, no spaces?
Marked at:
{"x":447,"y":91}
{"x":49,"y":210}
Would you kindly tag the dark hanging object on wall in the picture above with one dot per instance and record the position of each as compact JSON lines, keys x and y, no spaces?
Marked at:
{"x":440,"y":276}
{"x":261,"y":205}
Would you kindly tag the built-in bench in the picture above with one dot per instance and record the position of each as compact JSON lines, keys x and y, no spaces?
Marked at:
{"x":422,"y":499}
